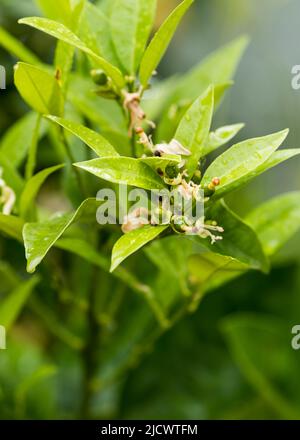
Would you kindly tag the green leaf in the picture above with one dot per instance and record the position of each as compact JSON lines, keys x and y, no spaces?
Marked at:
{"x":132,"y":242}
{"x":16,"y":48}
{"x":70,"y":14}
{"x":239,"y":164}
{"x":160,"y":42}
{"x":94,"y":140}
{"x":95,"y":30}
{"x":170,"y":255}
{"x":131,"y":23}
{"x":217,"y":68}
{"x":12,"y":226}
{"x":39,"y":89}
{"x":194,"y":127}
{"x":277,"y":158}
{"x":216,"y":270}
{"x":17,"y":140}
{"x":40,"y":237}
{"x":161,"y":162}
{"x":32,"y":187}
{"x":261,"y":348}
{"x":10,"y":174}
{"x":276,"y":221}
{"x":123,"y":170}
{"x":221,"y":136}
{"x":12,"y":305}
{"x":56,"y":11}
{"x":239,"y":240}
{"x":61,"y":32}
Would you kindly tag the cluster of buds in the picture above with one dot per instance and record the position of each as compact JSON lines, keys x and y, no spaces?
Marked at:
{"x":7,"y":197}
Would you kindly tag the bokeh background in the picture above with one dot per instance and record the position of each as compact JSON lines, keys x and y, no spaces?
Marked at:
{"x":233,"y":357}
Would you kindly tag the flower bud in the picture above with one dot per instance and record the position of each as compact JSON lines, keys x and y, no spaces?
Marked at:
{"x":197,"y":177}
{"x":172,"y":171}
{"x":99,"y":77}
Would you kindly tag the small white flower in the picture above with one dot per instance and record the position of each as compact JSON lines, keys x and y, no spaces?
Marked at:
{"x":174,"y":147}
{"x":7,"y":197}
{"x":135,"y":220}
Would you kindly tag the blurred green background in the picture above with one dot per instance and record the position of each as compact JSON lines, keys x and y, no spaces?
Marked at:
{"x":233,"y":357}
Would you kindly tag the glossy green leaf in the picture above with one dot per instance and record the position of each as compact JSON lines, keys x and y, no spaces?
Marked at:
{"x":161,"y":162}
{"x":123,"y":170}
{"x":160,"y":42}
{"x":12,"y":305}
{"x":131,"y":22}
{"x":61,"y":32}
{"x":17,"y":140}
{"x":39,"y":89}
{"x":32,"y":187}
{"x":91,"y":138}
{"x":193,"y":130}
{"x":11,"y":226}
{"x":221,"y":136}
{"x":238,"y":165}
{"x":15,"y":47}
{"x":276,"y":221}
{"x":129,"y":243}
{"x":40,"y":237}
{"x":239,"y":240}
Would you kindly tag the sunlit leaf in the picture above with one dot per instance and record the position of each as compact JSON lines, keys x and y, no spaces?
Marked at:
{"x":91,"y":138}
{"x":58,"y":30}
{"x":160,"y":42}
{"x":239,"y":163}
{"x":131,"y":23}
{"x":193,"y":130}
{"x":123,"y":170}
{"x":40,"y":237}
{"x":39,"y":89}
{"x":221,"y":136}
